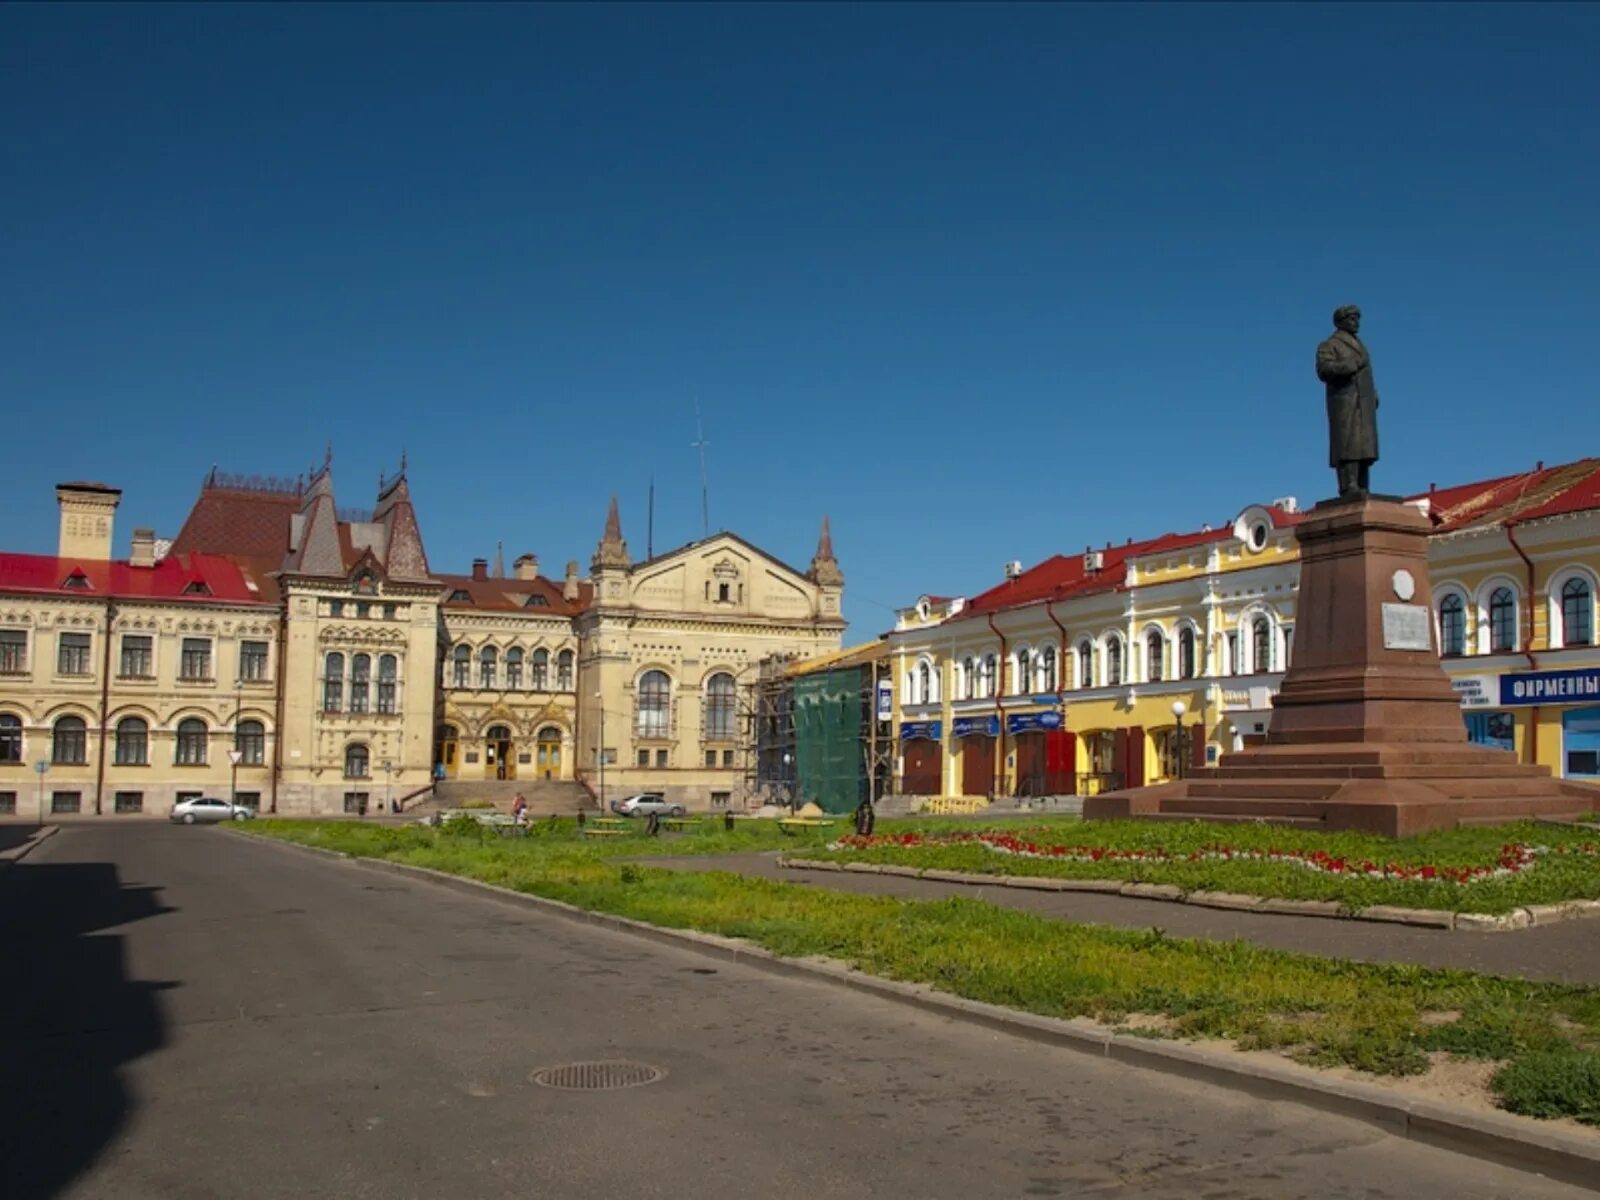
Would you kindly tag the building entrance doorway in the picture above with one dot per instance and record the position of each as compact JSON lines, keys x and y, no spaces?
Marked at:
{"x":446,"y":744}
{"x":549,"y":753}
{"x":499,"y":754}
{"x":977,"y":765}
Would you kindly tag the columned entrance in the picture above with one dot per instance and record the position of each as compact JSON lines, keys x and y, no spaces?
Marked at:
{"x":499,"y":753}
{"x":549,"y":752}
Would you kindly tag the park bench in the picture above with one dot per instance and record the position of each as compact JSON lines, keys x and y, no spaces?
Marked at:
{"x":794,"y":825}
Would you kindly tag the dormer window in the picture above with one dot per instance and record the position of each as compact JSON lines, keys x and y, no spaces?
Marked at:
{"x":197,"y":588}
{"x":366,"y":585}
{"x":77,"y":581}
{"x":536,"y":601}
{"x":461,"y":596}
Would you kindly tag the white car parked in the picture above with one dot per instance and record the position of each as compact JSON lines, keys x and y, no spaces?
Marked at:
{"x":209,"y":808}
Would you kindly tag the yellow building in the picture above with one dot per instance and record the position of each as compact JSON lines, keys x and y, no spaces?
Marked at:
{"x":1125,"y":664}
{"x":308,"y":661}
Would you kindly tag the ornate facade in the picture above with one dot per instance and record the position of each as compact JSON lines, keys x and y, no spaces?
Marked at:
{"x":309,"y":661}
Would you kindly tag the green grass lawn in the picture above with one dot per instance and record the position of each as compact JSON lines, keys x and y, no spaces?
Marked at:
{"x":1555,"y":877}
{"x":1381,"y":1019}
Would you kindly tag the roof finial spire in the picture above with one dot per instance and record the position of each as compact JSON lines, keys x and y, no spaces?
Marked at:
{"x":327,"y":455}
{"x":612,"y":550}
{"x":499,"y":560}
{"x":824,"y":567}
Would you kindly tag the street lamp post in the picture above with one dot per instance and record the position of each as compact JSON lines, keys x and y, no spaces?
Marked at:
{"x":388,"y":786}
{"x":236,"y":753}
{"x":41,"y":767}
{"x":1178,"y":709}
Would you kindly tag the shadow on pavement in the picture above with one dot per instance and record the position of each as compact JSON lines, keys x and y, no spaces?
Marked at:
{"x":12,"y":836}
{"x":71,"y":1017}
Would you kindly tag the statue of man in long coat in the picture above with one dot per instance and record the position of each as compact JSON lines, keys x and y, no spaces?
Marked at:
{"x":1344,"y":365}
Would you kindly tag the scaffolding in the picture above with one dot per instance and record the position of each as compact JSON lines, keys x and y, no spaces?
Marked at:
{"x":818,"y":732}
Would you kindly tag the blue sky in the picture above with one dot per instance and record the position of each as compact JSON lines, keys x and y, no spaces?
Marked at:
{"x":982,"y":282}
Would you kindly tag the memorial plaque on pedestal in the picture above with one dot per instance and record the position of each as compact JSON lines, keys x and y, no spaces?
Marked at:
{"x":1407,"y":627}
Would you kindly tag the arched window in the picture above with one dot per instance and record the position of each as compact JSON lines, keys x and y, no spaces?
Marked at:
{"x":388,"y":673}
{"x":488,"y":660}
{"x":1113,"y":661}
{"x":461,"y":667}
{"x":514,"y":669}
{"x":133,"y":742}
{"x":333,"y":683}
{"x":360,"y":682}
{"x":192,"y":739}
{"x":1452,"y":625}
{"x":356,"y":761}
{"x":1022,"y":680}
{"x":969,"y":677}
{"x":1155,"y":656}
{"x":1186,"y":655}
{"x":564,"y":671}
{"x":1577,"y":613}
{"x":1502,"y":620}
{"x":655,"y":705}
{"x":721,"y":707}
{"x":991,"y":667}
{"x":10,"y":738}
{"x":1047,"y":669}
{"x":541,"y":670}
{"x":923,"y":692}
{"x":250,"y":740}
{"x":69,"y":742}
{"x":1085,"y":664}
{"x":1261,"y":645}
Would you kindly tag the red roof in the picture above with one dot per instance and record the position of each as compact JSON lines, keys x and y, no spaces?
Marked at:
{"x":200,"y":578}
{"x":1542,"y":492}
{"x":512,"y":595}
{"x":252,"y":524}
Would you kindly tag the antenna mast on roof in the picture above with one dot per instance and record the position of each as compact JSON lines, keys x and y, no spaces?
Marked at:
{"x":700,"y":444}
{"x":650,"y":522}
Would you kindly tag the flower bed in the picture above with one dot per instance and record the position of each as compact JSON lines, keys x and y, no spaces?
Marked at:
{"x":1514,"y":857}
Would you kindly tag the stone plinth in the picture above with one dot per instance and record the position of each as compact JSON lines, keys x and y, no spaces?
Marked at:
{"x":1366,"y":731}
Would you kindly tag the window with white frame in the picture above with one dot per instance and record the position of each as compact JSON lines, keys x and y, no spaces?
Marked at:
{"x":1452,"y":625}
{"x":564,"y":662}
{"x":194,"y":659}
{"x":132,"y":745}
{"x":514,"y":669}
{"x":1155,"y":656}
{"x":69,"y":742}
{"x":1577,"y":612}
{"x":1260,"y":644}
{"x":1502,"y":620}
{"x":10,"y":738}
{"x":488,"y":660}
{"x":461,"y":667}
{"x":1114,"y":661}
{"x":138,"y":656}
{"x":1047,"y":669}
{"x":72,"y":654}
{"x":1187,"y":659}
{"x":923,"y":691}
{"x":1022,"y":680}
{"x":357,"y":762}
{"x":1086,"y":664}
{"x":13,"y":651}
{"x":541,"y":670}
{"x":250,"y":740}
{"x":969,"y":677}
{"x":721,"y":707}
{"x":192,"y":741}
{"x":987,"y":675}
{"x":252,"y":661}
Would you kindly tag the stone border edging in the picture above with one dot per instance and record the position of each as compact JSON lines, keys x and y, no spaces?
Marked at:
{"x":21,"y":851}
{"x":1434,"y":918}
{"x":1498,"y":1137}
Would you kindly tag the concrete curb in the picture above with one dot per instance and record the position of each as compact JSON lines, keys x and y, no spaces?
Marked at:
{"x":17,"y":853}
{"x":1501,"y":1138}
{"x":1433,"y":918}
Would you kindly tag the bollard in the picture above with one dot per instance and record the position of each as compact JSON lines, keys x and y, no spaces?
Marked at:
{"x":727,"y":821}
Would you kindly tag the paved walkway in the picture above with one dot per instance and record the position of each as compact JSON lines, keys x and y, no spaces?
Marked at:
{"x":1567,"y":953}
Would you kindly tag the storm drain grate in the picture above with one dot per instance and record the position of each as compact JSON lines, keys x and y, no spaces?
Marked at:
{"x":596,"y":1076}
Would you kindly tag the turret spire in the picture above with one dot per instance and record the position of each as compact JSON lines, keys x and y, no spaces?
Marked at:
{"x":824,"y":567}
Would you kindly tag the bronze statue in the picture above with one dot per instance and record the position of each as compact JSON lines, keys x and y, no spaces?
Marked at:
{"x":1344,"y":365}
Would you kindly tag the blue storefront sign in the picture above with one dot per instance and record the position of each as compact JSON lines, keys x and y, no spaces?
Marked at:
{"x":1028,"y":722}
{"x":932,"y":730}
{"x":1550,"y":687}
{"x":967,"y":726}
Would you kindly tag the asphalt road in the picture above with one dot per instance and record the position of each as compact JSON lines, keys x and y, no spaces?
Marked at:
{"x":191,"y":1014}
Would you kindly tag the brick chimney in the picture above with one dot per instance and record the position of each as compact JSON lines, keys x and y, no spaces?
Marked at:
{"x":526,"y":566}
{"x":480,"y":569}
{"x":143,"y":553}
{"x":569,"y":588}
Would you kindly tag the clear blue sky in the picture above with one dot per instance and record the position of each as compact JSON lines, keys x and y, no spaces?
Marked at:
{"x":981,"y":282}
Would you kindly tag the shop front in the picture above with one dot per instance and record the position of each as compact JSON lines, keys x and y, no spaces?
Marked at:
{"x":1046,"y":754}
{"x":922,"y":758}
{"x":977,"y":737}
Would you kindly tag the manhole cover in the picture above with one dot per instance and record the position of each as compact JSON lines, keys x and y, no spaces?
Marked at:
{"x":596,"y":1076}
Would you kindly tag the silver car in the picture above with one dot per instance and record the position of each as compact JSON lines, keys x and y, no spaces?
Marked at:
{"x":646,"y":803}
{"x":208,"y":808}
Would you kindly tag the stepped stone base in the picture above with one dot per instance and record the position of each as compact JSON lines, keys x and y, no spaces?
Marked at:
{"x":1366,"y":730}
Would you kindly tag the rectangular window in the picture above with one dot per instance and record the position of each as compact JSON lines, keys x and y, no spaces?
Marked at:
{"x":250,"y":800}
{"x":727,"y":758}
{"x":66,"y":802}
{"x":128,"y":802}
{"x":661,"y":758}
{"x":363,"y":610}
{"x":721,"y":799}
{"x":195,"y":660}
{"x":13,"y":652}
{"x":8,"y":804}
{"x":356,"y":802}
{"x":250,"y":740}
{"x":386,"y":696}
{"x":336,"y":608}
{"x":644,"y":758}
{"x":1233,"y":653}
{"x":138,"y":656}
{"x":388,"y":612}
{"x":252,"y":661}
{"x":711,"y":758}
{"x":72,"y":654}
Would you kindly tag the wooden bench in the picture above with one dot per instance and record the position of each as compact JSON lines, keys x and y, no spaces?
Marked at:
{"x":589,"y":831}
{"x":793,"y":825}
{"x":679,"y":823}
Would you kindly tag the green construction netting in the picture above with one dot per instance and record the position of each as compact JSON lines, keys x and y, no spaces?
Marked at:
{"x":827,"y":739}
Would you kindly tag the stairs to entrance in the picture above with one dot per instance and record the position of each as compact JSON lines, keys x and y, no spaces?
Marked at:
{"x":545,"y":797}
